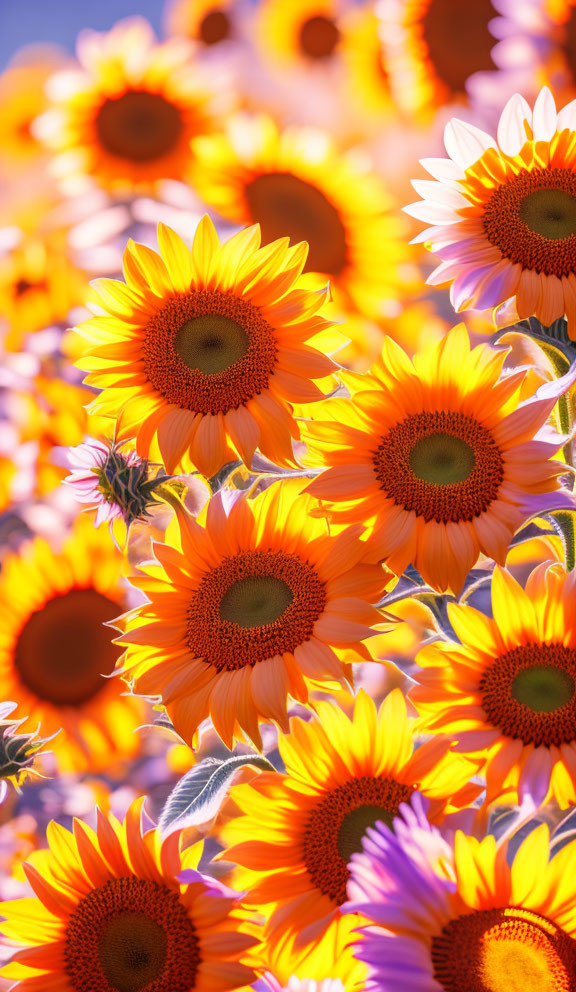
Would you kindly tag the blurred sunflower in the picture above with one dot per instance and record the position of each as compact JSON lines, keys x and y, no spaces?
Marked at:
{"x":207,"y":22}
{"x":127,"y":115}
{"x":111,"y":916}
{"x":507,"y":693}
{"x":207,"y":350}
{"x":297,"y":832}
{"x":505,"y":213}
{"x":465,"y":916}
{"x":364,"y":58}
{"x":294,"y":183}
{"x":258,"y":604}
{"x":439,"y":456}
{"x":7,"y":473}
{"x":39,"y":286}
{"x":303,"y":30}
{"x":22,"y":99}
{"x":55,"y":651}
{"x":432,"y":47}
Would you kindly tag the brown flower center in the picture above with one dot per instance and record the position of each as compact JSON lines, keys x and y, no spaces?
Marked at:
{"x":131,"y":935}
{"x":139,"y":126}
{"x":444,"y":465}
{"x":458,"y":40}
{"x":214,"y":27}
{"x":532,"y":220}
{"x":504,"y":950}
{"x":63,"y":650}
{"x":319,"y":37}
{"x":209,"y":351}
{"x":23,"y":286}
{"x":337,"y":825}
{"x":252,"y":607}
{"x":286,"y":206}
{"x":529,"y":694}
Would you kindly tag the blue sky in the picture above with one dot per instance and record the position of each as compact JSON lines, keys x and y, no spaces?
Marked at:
{"x":26,"y":21}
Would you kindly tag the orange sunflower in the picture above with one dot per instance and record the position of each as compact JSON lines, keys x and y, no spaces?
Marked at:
{"x":295,"y":183}
{"x":111,"y":916}
{"x":507,"y":692}
{"x":55,"y":650}
{"x":303,"y":30}
{"x":22,"y":99}
{"x":39,"y":286}
{"x":504,"y":213}
{"x":207,"y":350}
{"x":258,"y":604}
{"x":207,"y":22}
{"x":439,"y":456}
{"x":432,"y":47}
{"x":296,"y":834}
{"x":465,"y":916}
{"x":126,"y":116}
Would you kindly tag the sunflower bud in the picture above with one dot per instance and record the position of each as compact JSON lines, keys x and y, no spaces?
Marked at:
{"x":17,"y":751}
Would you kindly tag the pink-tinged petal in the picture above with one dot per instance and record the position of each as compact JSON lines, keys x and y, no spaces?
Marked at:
{"x":440,"y":193}
{"x":431,"y":213}
{"x":475,"y":740}
{"x":465,"y":143}
{"x":464,"y":289}
{"x":511,"y":131}
{"x":534,"y":781}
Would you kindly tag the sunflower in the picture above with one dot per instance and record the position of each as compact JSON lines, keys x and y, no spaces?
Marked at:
{"x":39,"y":286}
{"x":296,"y":833}
{"x":208,"y":349}
{"x":505,"y":214}
{"x":432,"y":47}
{"x":295,"y":183}
{"x":55,"y":651}
{"x":259,"y":602}
{"x":126,"y":116}
{"x":301,"y":31}
{"x":364,"y":58}
{"x":507,"y":692}
{"x":465,"y":916}
{"x":207,"y":22}
{"x":439,"y":457}
{"x":22,"y":99}
{"x":7,"y":473}
{"x":111,"y":916}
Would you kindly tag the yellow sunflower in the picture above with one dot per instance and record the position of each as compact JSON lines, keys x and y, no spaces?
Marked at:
{"x":439,"y":456}
{"x":126,"y":116}
{"x":259,"y":603}
{"x":507,"y":692}
{"x":207,"y":22}
{"x":109,"y":915}
{"x":39,"y":286}
{"x":207,"y":350}
{"x":295,"y":183}
{"x":7,"y":473}
{"x":22,"y":99}
{"x":432,"y":47}
{"x":296,"y":833}
{"x":302,"y":30}
{"x":55,"y":650}
{"x":365,"y":62}
{"x":465,"y":916}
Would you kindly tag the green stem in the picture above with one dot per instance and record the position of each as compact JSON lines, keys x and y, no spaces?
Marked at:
{"x":564,"y":522}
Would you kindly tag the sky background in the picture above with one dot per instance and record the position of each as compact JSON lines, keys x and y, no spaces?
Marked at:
{"x":25,"y":21}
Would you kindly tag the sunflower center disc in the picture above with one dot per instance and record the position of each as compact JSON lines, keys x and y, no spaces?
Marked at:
{"x":319,"y":37}
{"x":458,"y":39}
{"x":211,"y":344}
{"x":543,"y":688}
{"x":286,"y":206}
{"x":64,"y":650}
{"x":131,"y":935}
{"x":442,"y":459}
{"x":354,"y":826}
{"x":550,"y":212}
{"x":256,"y":601}
{"x":504,"y":950}
{"x":139,"y":126}
{"x":529,"y":693}
{"x":337,"y":824}
{"x":132,"y":952}
{"x":214,"y":27}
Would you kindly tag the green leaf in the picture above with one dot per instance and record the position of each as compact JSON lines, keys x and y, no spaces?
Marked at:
{"x":197,"y":797}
